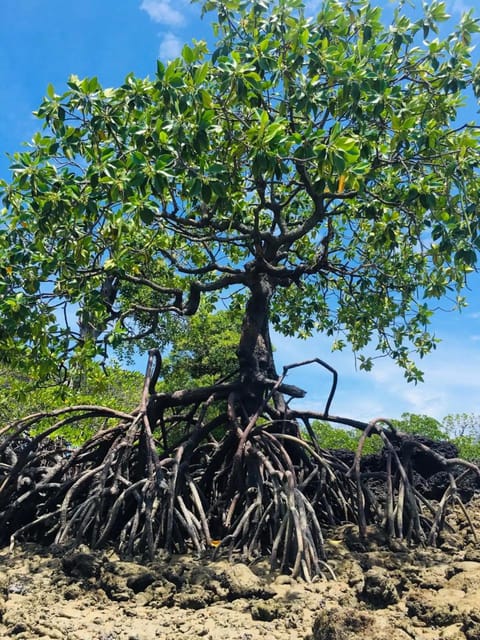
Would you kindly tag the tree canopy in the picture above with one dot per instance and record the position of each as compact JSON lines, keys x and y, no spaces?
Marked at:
{"x":320,"y":164}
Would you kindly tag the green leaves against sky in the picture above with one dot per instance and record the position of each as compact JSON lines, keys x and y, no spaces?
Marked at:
{"x":330,"y":153}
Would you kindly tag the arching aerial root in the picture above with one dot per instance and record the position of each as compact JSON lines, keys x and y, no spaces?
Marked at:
{"x":262,"y":487}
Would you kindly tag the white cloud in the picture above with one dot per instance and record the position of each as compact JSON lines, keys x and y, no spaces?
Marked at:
{"x":312,"y":7}
{"x":163,"y":12}
{"x":170,"y":47}
{"x":460,"y":6}
{"x":452,"y":381}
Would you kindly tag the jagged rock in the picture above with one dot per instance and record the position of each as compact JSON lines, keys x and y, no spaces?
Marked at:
{"x":266,"y":611}
{"x":241,"y":582}
{"x":437,"y":609}
{"x":141,"y":581}
{"x":194,"y":598}
{"x":341,"y":624}
{"x":81,"y":565}
{"x":379,"y":589}
{"x":471,"y":626}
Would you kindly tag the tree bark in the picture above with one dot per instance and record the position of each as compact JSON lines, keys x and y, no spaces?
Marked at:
{"x":255,"y":354}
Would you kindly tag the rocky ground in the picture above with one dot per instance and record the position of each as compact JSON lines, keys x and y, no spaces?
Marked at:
{"x":369,"y":591}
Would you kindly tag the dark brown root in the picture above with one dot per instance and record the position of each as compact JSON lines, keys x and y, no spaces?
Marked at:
{"x":257,"y":485}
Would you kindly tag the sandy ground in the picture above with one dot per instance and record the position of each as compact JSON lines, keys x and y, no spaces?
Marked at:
{"x":377,"y":594}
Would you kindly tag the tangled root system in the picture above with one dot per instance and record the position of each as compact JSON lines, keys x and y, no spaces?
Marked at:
{"x":194,"y":471}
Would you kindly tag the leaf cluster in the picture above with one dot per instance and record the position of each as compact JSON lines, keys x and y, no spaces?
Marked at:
{"x":329,"y":155}
{"x":21,"y":396}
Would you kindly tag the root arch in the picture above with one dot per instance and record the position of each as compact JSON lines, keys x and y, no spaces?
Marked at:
{"x":170,"y":476}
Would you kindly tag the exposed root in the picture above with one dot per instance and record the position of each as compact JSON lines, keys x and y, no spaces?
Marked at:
{"x":242,"y":485}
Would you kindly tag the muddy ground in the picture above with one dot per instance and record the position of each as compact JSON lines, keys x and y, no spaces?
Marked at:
{"x":369,"y":591}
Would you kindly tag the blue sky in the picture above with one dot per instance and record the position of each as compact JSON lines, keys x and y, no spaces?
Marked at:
{"x":44,"y":42}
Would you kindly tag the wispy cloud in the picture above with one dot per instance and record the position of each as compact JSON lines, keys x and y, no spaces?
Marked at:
{"x":163,"y":12}
{"x":452,"y":384}
{"x":170,"y":47}
{"x":460,"y":6}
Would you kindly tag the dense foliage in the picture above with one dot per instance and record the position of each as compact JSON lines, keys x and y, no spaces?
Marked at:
{"x":202,"y":351}
{"x":325,"y":161}
{"x":115,"y":387}
{"x":462,"y":430}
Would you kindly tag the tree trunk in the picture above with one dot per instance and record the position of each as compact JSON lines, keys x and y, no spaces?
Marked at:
{"x":257,"y":367}
{"x":255,"y":352}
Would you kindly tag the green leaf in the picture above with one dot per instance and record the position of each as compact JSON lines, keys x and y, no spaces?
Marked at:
{"x":146,"y":215}
{"x":188,"y":54}
{"x":325,"y":161}
{"x":201,"y":73}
